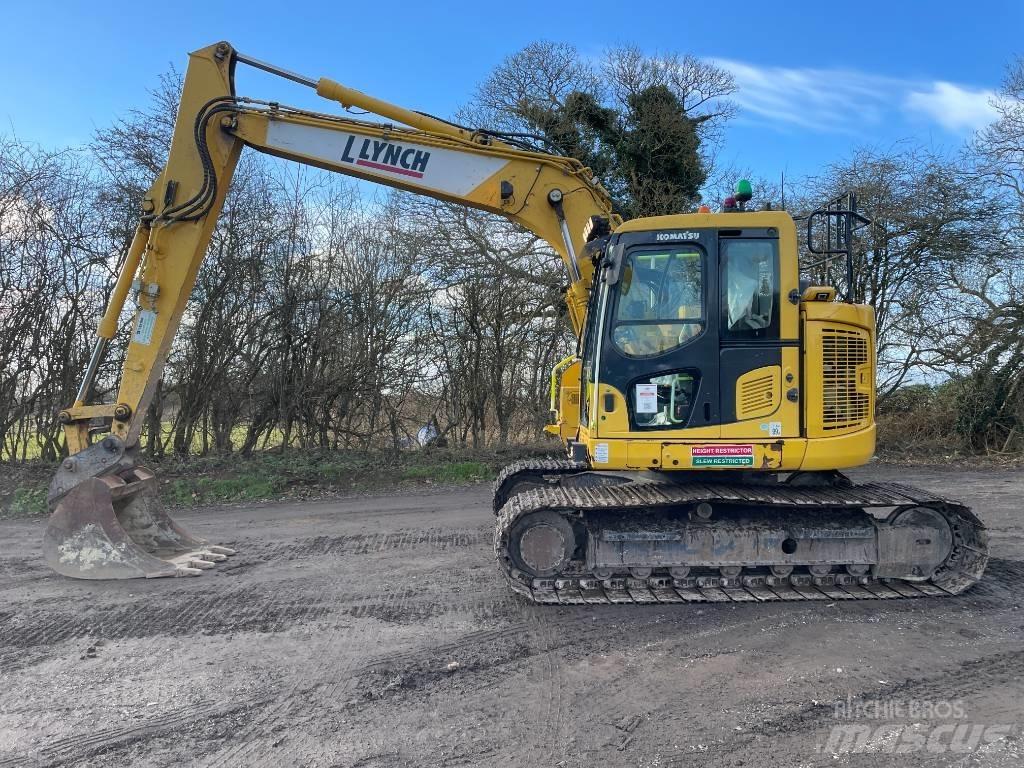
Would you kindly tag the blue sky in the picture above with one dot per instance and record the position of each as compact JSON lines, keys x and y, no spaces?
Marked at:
{"x":810,"y":90}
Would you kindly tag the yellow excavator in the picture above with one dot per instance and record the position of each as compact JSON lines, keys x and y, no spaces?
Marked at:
{"x":711,"y":402}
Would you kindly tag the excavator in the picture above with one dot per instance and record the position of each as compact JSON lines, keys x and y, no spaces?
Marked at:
{"x":712,"y":401}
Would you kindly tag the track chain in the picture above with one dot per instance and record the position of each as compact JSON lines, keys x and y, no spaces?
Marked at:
{"x":530,"y":471}
{"x":962,"y":568}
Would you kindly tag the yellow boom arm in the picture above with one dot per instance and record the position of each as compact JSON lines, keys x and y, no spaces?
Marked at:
{"x":552,"y":196}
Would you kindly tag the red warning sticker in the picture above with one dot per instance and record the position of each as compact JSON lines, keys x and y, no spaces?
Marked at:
{"x":722,"y":455}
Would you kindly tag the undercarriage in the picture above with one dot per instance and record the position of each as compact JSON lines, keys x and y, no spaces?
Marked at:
{"x":568,"y":534}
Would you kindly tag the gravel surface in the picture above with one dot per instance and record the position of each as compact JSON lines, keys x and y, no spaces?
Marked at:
{"x":376,"y":631}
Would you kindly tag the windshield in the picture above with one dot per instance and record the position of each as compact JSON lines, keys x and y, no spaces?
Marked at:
{"x":660,"y":304}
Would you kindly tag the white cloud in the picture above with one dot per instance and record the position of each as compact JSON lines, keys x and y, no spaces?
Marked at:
{"x":955,"y":108}
{"x":846,"y":100}
{"x":819,"y":99}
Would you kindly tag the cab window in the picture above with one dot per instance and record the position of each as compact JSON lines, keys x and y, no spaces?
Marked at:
{"x":750,"y":288}
{"x":661,"y":301}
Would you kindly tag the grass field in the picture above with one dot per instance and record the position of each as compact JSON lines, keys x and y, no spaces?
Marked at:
{"x":202,"y":481}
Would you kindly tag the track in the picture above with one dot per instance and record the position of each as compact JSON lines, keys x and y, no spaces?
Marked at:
{"x":529,"y":487}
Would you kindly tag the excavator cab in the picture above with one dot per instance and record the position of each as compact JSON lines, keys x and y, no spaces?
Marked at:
{"x":690,"y":336}
{"x":718,"y":398}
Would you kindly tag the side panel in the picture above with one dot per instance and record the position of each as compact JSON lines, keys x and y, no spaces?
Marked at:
{"x":567,"y":419}
{"x":431,"y":168}
{"x":712,"y":454}
{"x":751,"y":383}
{"x":839,"y":384}
{"x":839,"y":369}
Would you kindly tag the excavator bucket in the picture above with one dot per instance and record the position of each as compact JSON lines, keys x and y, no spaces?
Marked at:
{"x":113,"y":527}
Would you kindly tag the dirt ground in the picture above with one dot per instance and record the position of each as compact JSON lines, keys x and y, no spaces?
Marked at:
{"x":376,"y":631}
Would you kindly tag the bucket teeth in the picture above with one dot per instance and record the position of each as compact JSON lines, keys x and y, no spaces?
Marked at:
{"x":112,"y":527}
{"x":190,"y":561}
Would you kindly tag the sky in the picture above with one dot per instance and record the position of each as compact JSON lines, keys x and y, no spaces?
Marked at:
{"x":812,"y":86}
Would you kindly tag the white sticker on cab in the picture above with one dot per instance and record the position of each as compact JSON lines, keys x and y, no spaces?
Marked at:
{"x":646,"y":398}
{"x":601,"y":453}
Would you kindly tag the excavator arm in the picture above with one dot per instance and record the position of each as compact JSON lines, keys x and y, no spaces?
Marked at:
{"x":105,"y":525}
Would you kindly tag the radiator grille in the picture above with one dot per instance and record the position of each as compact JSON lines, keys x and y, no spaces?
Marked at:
{"x":844,"y":357}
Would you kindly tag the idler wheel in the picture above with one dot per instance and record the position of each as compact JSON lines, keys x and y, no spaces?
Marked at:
{"x":542,"y":544}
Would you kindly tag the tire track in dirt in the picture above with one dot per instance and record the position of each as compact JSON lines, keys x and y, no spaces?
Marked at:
{"x":431,"y":678}
{"x":338,"y":688}
{"x":420,"y":672}
{"x":209,"y":611}
{"x":582,"y":626}
{"x":285,"y":597}
{"x":480,"y":609}
{"x":1001,"y":586}
{"x":968,"y":678}
{"x":436,"y":540}
{"x":214,"y":612}
{"x":549,"y":714}
{"x":185,"y":611}
{"x":264,"y":720}
{"x":347,"y":686}
{"x":669,"y":630}
{"x":485,"y":657}
{"x":390,"y":604}
{"x":82,"y":746}
{"x":613,"y":714}
{"x":17,"y":572}
{"x":327,"y":662}
{"x":226,"y":608}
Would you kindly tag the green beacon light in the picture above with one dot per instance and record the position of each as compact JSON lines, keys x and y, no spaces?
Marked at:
{"x":743,"y":192}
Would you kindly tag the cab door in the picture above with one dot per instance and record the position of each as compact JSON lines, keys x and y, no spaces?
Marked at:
{"x":659,"y":355}
{"x":758,"y":337}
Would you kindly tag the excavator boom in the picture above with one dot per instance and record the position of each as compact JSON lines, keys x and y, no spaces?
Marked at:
{"x":106,"y":523}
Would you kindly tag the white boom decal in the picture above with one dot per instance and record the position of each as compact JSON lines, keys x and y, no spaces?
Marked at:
{"x":442,"y":170}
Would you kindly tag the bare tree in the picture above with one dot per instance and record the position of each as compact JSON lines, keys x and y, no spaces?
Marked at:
{"x":929,"y":218}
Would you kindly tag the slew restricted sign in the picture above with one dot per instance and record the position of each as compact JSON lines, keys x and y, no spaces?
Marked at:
{"x":722,"y":455}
